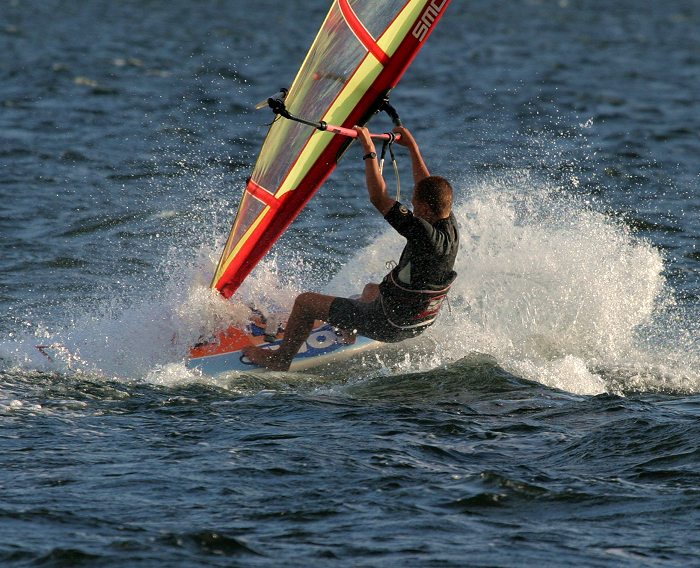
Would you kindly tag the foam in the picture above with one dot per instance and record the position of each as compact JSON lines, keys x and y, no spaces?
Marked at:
{"x":556,"y":291}
{"x":553,"y":289}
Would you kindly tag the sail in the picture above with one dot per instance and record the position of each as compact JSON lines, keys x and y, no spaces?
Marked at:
{"x":360,"y":53}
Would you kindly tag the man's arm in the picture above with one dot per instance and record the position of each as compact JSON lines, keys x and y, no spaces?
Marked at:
{"x":420,"y":170}
{"x":376,"y":187}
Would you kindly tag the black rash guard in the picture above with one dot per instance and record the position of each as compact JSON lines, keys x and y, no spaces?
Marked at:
{"x":413,"y":292}
{"x":428,"y":259}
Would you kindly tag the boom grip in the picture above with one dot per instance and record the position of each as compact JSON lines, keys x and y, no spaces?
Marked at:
{"x":351,"y":133}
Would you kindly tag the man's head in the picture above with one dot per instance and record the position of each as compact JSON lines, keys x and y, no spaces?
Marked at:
{"x":432,"y":198}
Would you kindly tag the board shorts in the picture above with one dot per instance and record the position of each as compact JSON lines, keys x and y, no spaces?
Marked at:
{"x":369,"y":320}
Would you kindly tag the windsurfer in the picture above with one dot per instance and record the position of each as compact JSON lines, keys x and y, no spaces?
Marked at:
{"x":408,"y":299}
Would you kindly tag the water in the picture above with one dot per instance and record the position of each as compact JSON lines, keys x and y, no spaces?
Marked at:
{"x":551,"y":417}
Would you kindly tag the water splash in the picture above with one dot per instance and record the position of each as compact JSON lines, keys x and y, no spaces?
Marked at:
{"x":558,"y":292}
{"x":554,"y":290}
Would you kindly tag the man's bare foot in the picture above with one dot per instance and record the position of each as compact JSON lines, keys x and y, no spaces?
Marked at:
{"x":265,"y":358}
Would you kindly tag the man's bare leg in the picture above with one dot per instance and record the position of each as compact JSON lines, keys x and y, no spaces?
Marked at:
{"x":369,"y":294}
{"x":308,"y":307}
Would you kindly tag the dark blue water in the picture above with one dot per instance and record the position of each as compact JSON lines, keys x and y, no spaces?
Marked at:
{"x":550,"y":417}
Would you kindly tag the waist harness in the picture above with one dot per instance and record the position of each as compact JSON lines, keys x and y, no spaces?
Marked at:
{"x":407,"y":308}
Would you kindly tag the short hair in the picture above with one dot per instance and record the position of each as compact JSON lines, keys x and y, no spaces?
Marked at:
{"x":436,"y":193}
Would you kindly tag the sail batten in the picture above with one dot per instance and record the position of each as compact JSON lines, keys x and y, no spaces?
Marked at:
{"x":361,"y":32}
{"x":360,"y":52}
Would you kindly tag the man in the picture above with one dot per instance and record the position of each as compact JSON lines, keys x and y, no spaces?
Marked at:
{"x":409,"y":298}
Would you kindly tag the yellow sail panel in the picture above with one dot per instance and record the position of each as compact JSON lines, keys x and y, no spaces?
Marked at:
{"x":400,"y":27}
{"x":332,"y":59}
{"x":338,"y":114}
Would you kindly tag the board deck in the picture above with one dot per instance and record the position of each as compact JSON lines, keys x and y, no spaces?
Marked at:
{"x":224,"y":354}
